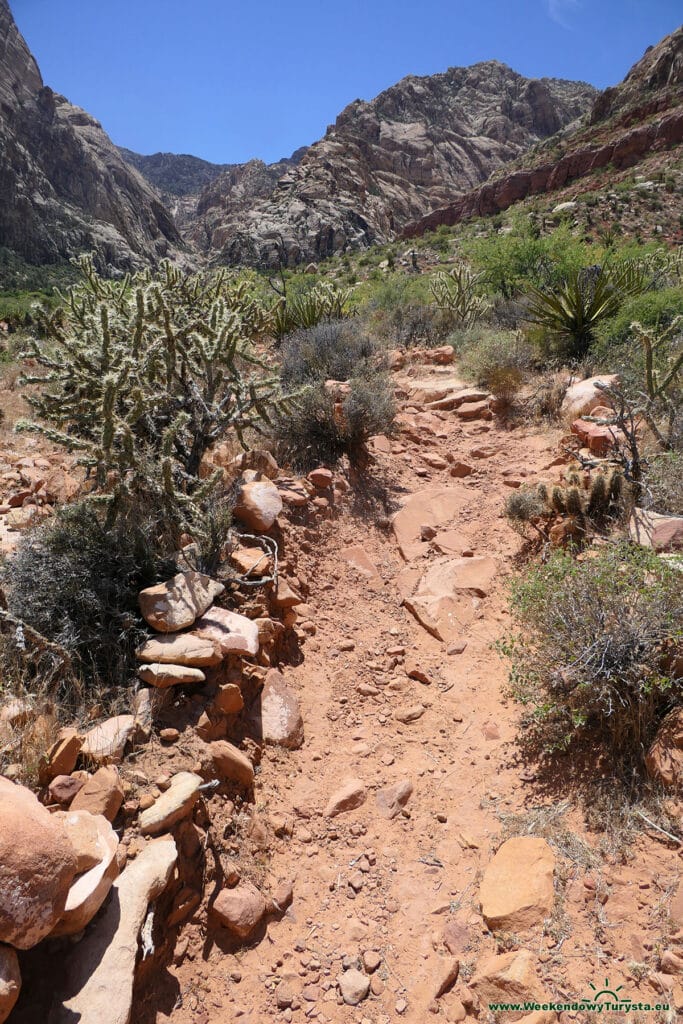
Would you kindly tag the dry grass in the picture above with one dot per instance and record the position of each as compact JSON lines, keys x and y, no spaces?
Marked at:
{"x":547,"y":822}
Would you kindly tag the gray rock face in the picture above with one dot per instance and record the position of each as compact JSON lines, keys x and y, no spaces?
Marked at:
{"x":384,"y":163}
{"x":65,"y":187}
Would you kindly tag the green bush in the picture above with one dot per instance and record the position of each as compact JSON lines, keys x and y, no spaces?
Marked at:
{"x":320,"y":429}
{"x":333,"y":351}
{"x":614,"y":347}
{"x":76,"y":582}
{"x":496,"y":360}
{"x":398,"y":308}
{"x":588,"y":660}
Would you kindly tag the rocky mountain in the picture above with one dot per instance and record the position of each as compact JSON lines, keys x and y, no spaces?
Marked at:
{"x":627,"y":124}
{"x":384,"y":164}
{"x":189,"y":186}
{"x":64,"y":185}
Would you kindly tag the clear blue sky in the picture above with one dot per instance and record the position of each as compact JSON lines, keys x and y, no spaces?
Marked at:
{"x":229,"y":80}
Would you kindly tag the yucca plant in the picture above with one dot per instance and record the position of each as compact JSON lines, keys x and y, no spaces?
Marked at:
{"x":324,"y":302}
{"x":572,"y":311}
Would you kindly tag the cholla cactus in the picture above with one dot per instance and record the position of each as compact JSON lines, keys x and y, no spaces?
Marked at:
{"x":144,"y":374}
{"x":456,"y":293}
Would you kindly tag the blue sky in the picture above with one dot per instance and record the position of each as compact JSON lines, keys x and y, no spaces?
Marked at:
{"x":228,"y":80}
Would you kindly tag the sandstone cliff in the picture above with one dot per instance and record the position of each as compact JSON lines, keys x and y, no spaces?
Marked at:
{"x":64,"y":185}
{"x":642,"y":115}
{"x":383,"y":164}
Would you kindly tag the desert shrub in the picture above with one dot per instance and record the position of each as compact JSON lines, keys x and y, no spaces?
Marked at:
{"x":498,"y":361}
{"x":76,"y":581}
{"x":588,"y":503}
{"x":589,"y":655}
{"x":332,"y":351}
{"x":663,"y":484}
{"x":654,"y":309}
{"x":321,"y":427}
{"x":142,"y":375}
{"x":400,"y":311}
{"x":545,"y":397}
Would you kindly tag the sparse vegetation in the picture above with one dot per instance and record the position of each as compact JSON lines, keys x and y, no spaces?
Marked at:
{"x":588,"y":661}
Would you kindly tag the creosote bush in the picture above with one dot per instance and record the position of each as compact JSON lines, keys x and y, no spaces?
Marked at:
{"x":331,"y":351}
{"x":499,"y":361}
{"x":76,"y":582}
{"x":589,"y":659}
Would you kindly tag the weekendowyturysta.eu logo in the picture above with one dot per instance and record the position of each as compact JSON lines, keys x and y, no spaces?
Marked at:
{"x":602,"y":999}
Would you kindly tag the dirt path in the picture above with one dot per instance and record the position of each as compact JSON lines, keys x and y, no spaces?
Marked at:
{"x":385,"y":702}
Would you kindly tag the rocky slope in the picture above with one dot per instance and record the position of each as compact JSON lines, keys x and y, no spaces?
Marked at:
{"x":65,"y":187}
{"x":384,"y":164}
{"x":628,"y":123}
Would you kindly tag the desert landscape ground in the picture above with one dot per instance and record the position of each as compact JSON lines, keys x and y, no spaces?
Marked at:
{"x":341,"y":528}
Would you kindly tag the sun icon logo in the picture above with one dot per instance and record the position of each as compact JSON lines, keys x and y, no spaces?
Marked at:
{"x":606,"y":991}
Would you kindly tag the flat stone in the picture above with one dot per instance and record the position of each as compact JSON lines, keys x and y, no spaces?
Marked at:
{"x":240,"y":910}
{"x":517,"y":892}
{"x":172,"y":806}
{"x":175,"y":604}
{"x":392,"y":799}
{"x":101,"y":794}
{"x":180,"y":649}
{"x":651,"y":530}
{"x":106,"y":742}
{"x":230,"y":632}
{"x":61,"y":758}
{"x":350,"y":796}
{"x":10,"y":981}
{"x":90,"y":889}
{"x":357,"y":557}
{"x":37,"y":867}
{"x":162,"y":676}
{"x":442,"y":603}
{"x":231,"y":764}
{"x":435,"y":507}
{"x":99,"y":971}
{"x":280,"y":713}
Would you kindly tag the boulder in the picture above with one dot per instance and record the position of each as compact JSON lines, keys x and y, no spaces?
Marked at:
{"x":99,"y":972}
{"x":61,"y":758}
{"x":354,"y":986}
{"x":392,"y":799}
{"x":106,"y":742}
{"x":664,"y":759}
{"x":240,"y":910}
{"x":229,"y":699}
{"x":321,"y":478}
{"x":172,"y":806}
{"x":10,"y":981}
{"x":63,"y":789}
{"x":230,"y":632}
{"x":281,"y":721}
{"x":508,"y":977}
{"x":162,"y":676}
{"x":258,"y":504}
{"x":180,"y":649}
{"x":175,"y":604}
{"x":37,"y":867}
{"x":517,"y":892}
{"x":651,"y":530}
{"x":230,"y":764}
{"x":350,"y":796}
{"x":101,"y":794}
{"x":581,"y":398}
{"x":90,"y":889}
